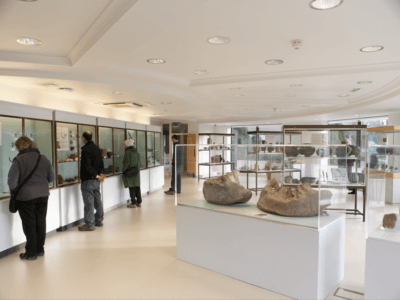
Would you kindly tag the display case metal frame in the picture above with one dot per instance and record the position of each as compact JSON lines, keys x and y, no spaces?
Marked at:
{"x":301,"y":128}
{"x":23,"y":134}
{"x":209,"y":164}
{"x":78,"y":147}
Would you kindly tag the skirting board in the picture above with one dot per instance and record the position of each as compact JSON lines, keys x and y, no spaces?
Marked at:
{"x":21,"y":246}
{"x":295,"y":261}
{"x":382,"y":262}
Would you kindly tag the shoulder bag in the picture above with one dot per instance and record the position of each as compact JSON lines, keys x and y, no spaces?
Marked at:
{"x":13,"y":199}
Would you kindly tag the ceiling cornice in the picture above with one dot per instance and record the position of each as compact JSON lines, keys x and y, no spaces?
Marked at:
{"x":34,"y":58}
{"x":110,"y":15}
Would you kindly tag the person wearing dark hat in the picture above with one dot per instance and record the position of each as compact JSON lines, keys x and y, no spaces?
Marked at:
{"x":92,"y":166}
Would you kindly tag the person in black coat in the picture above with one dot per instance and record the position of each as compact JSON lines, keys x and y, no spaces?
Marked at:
{"x":92,"y":167}
{"x":177,"y":162}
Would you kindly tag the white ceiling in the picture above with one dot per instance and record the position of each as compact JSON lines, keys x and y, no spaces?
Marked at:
{"x":100,"y":46}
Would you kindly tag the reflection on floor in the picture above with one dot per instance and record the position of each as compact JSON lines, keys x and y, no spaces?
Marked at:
{"x":134,"y":257}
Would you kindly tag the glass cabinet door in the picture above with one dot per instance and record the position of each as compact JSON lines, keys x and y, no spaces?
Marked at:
{"x":67,"y":153}
{"x":158,"y":148}
{"x":131,"y":135}
{"x":150,"y":150}
{"x":40,"y":132}
{"x":119,"y":149}
{"x":106,"y":145}
{"x":10,"y":131}
{"x":141,"y":147}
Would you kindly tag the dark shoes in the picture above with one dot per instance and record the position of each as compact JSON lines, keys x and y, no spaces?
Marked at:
{"x":99,"y":224}
{"x":170,"y":192}
{"x":352,"y":192}
{"x":139,"y":204}
{"x":40,"y":253}
{"x":24,"y":257}
{"x":83,"y":227}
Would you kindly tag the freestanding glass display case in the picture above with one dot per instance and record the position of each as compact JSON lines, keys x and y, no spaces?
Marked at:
{"x":141,"y":147}
{"x":119,"y":149}
{"x":106,"y":145}
{"x":12,"y":128}
{"x":214,"y":154}
{"x":354,"y":136}
{"x":389,"y":135}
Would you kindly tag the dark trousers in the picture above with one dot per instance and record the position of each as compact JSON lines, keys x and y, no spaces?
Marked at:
{"x":92,"y":200}
{"x":136,"y":196}
{"x":178,"y":179}
{"x":33,"y":215}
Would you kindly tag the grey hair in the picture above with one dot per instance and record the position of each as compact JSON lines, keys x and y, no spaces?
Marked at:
{"x":129,"y":143}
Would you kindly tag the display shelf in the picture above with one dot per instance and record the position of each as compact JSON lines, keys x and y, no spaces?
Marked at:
{"x":216,"y":164}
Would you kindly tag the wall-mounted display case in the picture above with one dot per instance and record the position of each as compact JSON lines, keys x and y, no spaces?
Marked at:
{"x":158,"y":148}
{"x":118,"y":149}
{"x":12,"y":128}
{"x":141,"y":147}
{"x":67,"y":155}
{"x":106,"y":145}
{"x":150,"y":150}
{"x":214,"y":154}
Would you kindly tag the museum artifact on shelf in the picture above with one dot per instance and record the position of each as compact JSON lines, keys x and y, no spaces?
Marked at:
{"x":225,"y":190}
{"x":389,"y":220}
{"x":302,"y":201}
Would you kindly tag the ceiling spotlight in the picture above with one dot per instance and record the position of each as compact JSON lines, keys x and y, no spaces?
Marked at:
{"x":200,"y":72}
{"x":274,"y":62}
{"x":118,"y":93}
{"x":291,"y":95}
{"x":29,"y":42}
{"x":66,"y":89}
{"x":364,"y":82}
{"x":156,"y":61}
{"x":218,"y":40}
{"x":371,"y":49}
{"x":238,"y":95}
{"x":343,"y":95}
{"x":296,"y":85}
{"x":325,"y":4}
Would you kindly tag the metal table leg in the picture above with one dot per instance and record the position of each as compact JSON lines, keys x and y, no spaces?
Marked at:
{"x":355,"y":203}
{"x":364,"y":202}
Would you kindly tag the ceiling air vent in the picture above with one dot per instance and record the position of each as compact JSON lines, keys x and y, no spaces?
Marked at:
{"x":123,"y":104}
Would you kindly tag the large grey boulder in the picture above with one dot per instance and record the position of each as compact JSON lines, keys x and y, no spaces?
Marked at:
{"x":226,"y":190}
{"x":300,"y":202}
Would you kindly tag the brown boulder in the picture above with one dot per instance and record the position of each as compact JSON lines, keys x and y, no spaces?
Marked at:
{"x":389,"y":220}
{"x":300,"y":202}
{"x":225,"y":190}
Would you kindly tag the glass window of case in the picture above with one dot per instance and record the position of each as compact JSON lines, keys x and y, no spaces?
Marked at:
{"x":67,"y":153}
{"x":131,"y":134}
{"x":106,"y":145}
{"x":150,"y":150}
{"x":383,"y":196}
{"x":141,"y":147}
{"x":158,"y":148}
{"x":119,"y":149}
{"x":389,"y":135}
{"x":40,"y":132}
{"x":10,"y":131}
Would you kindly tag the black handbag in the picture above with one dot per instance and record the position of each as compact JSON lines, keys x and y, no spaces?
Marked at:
{"x":131,"y":172}
{"x":13,"y":208}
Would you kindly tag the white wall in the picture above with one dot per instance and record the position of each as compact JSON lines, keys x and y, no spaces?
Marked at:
{"x":394,"y":119}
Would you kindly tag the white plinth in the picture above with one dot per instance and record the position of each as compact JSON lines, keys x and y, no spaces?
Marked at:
{"x":295,"y":261}
{"x":382,"y":264}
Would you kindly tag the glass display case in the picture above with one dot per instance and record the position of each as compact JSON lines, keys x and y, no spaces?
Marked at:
{"x":158,"y":150}
{"x":316,"y":205}
{"x":119,"y":149}
{"x":141,"y":147}
{"x":150,"y":149}
{"x":106,"y":145}
{"x":383,"y":193}
{"x":67,"y":145}
{"x":131,"y":134}
{"x":388,"y":135}
{"x":214,"y":154}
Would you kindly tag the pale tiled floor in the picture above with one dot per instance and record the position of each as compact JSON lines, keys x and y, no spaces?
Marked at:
{"x":134,"y":257}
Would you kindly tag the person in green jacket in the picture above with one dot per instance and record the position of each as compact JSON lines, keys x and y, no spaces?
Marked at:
{"x":132,"y":159}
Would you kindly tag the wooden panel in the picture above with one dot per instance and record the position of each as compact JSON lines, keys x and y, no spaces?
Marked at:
{"x":386,"y":128}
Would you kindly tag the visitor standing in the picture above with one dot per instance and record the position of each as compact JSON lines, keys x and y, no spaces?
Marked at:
{"x":177,"y":162}
{"x":92,"y":166}
{"x":131,"y":173}
{"x":33,"y":195}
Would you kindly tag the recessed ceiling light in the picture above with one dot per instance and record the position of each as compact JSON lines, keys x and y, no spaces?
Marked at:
{"x":156,"y":61}
{"x":364,"y":82}
{"x":200,"y":72}
{"x":296,"y":85}
{"x":118,"y":93}
{"x":66,"y":89}
{"x":343,"y":95}
{"x":218,"y":40}
{"x":371,"y":49}
{"x":29,"y":42}
{"x":325,"y":4}
{"x":291,"y":95}
{"x":238,"y":95}
{"x":274,"y":62}
{"x":235,"y":88}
